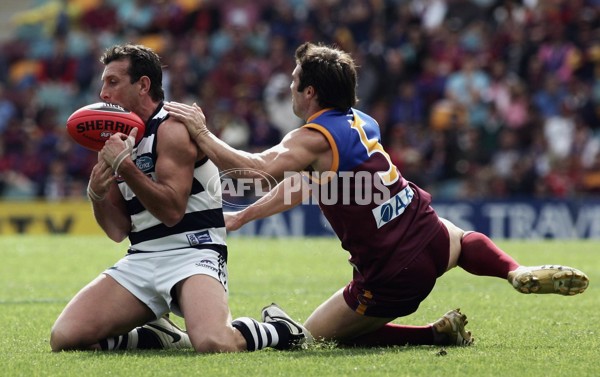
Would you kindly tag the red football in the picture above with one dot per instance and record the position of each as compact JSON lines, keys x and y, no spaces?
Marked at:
{"x":93,"y":124}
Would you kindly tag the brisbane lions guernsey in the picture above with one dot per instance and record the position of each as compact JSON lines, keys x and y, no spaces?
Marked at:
{"x":383,"y":220}
{"x":202,"y":226}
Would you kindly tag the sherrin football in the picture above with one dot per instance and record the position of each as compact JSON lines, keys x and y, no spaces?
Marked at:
{"x":92,"y":125}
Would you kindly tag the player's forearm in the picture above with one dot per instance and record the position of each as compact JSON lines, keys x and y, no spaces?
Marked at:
{"x":113,"y":221}
{"x":286,"y":195}
{"x":226,"y":157}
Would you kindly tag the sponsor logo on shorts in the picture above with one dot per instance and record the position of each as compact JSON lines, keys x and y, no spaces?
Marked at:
{"x":208,"y":264}
{"x":199,"y":238}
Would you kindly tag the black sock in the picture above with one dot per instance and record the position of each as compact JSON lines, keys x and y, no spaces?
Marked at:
{"x":285,"y":340}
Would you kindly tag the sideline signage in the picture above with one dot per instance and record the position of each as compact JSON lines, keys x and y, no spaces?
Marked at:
{"x":41,"y":217}
{"x":499,"y":219}
{"x":508,"y":219}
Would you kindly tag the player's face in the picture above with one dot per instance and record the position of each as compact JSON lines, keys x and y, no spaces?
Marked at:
{"x":116,"y":85}
{"x":297,"y":97}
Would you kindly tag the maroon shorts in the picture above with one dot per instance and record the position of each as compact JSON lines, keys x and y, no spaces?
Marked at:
{"x":402,"y":295}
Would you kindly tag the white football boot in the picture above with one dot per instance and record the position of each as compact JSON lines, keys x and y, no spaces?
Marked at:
{"x":170,"y":335}
{"x":300,"y":337}
{"x":562,"y":280}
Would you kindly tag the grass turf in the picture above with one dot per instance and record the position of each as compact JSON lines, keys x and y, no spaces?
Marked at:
{"x":516,"y":334}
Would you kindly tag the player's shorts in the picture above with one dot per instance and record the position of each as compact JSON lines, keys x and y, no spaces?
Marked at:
{"x":402,"y":295}
{"x":151,"y":277}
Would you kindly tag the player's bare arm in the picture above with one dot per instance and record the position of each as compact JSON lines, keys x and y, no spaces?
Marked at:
{"x":298,"y":150}
{"x":167,"y":197}
{"x":108,"y":204}
{"x":286,"y":195}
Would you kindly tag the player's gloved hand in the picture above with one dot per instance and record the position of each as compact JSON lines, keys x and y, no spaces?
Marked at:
{"x":117,"y":148}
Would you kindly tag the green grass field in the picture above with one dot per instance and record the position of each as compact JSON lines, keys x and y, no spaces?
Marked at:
{"x":516,"y":334}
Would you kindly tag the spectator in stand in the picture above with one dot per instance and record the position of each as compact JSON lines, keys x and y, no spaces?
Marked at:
{"x":200,"y":59}
{"x":100,"y":18}
{"x":549,"y":99}
{"x":590,"y":178}
{"x":559,"y":57}
{"x":278,"y":103}
{"x":136,"y":14}
{"x":8,"y":109}
{"x":263,"y":133}
{"x":406,"y":107}
{"x":508,"y":153}
{"x":57,"y":184}
{"x":559,"y":131}
{"x":468,"y":87}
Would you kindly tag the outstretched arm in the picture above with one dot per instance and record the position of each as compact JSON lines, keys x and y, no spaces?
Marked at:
{"x":297,"y":151}
{"x":286,"y":195}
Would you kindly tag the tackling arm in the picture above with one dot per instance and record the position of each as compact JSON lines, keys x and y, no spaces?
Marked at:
{"x":298,"y":150}
{"x":286,"y":195}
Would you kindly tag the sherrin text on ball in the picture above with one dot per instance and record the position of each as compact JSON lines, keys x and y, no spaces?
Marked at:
{"x":92,"y":125}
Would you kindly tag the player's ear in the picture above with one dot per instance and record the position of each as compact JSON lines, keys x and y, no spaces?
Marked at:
{"x":310,"y":91}
{"x":145,"y":84}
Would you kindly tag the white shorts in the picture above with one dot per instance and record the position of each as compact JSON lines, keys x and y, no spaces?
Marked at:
{"x":151,"y":277}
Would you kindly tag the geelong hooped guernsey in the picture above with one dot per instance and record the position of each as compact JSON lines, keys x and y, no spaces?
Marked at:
{"x":202,"y":226}
{"x":383,"y":220}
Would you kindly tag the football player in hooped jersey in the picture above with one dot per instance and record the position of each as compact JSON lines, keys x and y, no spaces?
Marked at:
{"x":398,"y":245}
{"x":157,"y":194}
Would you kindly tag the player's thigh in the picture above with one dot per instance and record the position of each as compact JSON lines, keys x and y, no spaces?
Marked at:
{"x":205,"y":307}
{"x":101,"y":309}
{"x":455,"y":234}
{"x":334,"y":320}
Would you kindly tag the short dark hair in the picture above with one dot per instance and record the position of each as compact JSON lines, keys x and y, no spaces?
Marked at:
{"x":331,"y":72}
{"x":143,"y":61}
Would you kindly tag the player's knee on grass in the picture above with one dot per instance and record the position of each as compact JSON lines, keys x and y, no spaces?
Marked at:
{"x":61,"y":339}
{"x":216,"y":341}
{"x":65,"y":337}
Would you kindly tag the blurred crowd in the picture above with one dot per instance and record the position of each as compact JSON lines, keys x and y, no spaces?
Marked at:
{"x":475,"y":98}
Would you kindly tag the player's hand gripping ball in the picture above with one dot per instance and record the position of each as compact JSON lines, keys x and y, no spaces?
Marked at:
{"x":92,"y":125}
